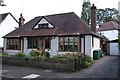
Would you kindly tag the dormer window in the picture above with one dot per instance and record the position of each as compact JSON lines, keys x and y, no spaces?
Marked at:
{"x":43,"y":26}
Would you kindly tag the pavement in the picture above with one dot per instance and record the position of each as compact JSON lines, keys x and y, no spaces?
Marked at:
{"x":106,"y":67}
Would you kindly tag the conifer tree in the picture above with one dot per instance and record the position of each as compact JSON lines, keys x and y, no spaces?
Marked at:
{"x":85,"y":14}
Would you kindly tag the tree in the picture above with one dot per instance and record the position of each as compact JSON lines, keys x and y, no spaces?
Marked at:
{"x":106,"y":15}
{"x":2,"y":3}
{"x":85,"y":14}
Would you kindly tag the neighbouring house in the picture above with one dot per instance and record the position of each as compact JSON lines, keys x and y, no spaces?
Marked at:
{"x":7,"y":24}
{"x":110,"y":30}
{"x":56,"y":34}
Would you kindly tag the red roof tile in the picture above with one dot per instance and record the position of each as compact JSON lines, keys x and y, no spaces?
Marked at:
{"x":65,"y":24}
{"x":108,"y":26}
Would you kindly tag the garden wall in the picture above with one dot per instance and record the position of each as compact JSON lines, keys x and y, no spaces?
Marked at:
{"x":60,"y":65}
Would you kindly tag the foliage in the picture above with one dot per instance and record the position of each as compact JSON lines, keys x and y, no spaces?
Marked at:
{"x":106,"y":15}
{"x":102,"y":15}
{"x":67,"y":56}
{"x":20,"y":54}
{"x":85,"y":61}
{"x":4,"y":54}
{"x":85,"y":14}
{"x":47,"y":54}
{"x":35,"y":53}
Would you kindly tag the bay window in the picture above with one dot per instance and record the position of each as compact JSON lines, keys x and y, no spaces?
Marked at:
{"x":13,"y":43}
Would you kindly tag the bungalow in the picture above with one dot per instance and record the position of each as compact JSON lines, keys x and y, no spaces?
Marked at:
{"x":110,"y":30}
{"x":56,"y":34}
{"x":7,"y":24}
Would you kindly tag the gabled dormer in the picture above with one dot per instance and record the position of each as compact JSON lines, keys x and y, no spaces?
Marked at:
{"x":43,"y":24}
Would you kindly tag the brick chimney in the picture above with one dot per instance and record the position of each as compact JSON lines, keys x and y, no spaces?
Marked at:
{"x":93,"y":18}
{"x":21,"y":20}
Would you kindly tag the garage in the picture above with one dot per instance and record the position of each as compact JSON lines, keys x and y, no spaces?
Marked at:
{"x":114,"y":48}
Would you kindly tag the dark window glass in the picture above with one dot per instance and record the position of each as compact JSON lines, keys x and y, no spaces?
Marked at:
{"x":68,"y":43}
{"x":43,"y":26}
{"x":13,"y":43}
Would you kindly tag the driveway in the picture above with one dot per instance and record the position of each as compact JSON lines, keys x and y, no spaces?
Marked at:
{"x":106,"y":67}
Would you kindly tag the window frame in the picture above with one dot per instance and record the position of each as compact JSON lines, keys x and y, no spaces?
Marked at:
{"x":63,"y":42}
{"x":42,"y":26}
{"x":13,"y":44}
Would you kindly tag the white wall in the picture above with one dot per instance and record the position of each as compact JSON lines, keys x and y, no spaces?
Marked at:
{"x":113,"y":48}
{"x":111,"y":34}
{"x":88,"y":45}
{"x":96,"y":43}
{"x":82,"y":45}
{"x":8,"y":24}
{"x":43,"y":20}
{"x":54,"y":46}
{"x":12,"y":51}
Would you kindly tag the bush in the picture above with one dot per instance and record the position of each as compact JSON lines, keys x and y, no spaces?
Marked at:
{"x":47,"y":54}
{"x":86,"y":61}
{"x":36,"y":54}
{"x":20,"y":54}
{"x":5,"y":54}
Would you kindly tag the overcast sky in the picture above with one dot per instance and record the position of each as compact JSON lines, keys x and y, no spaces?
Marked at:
{"x":33,"y":8}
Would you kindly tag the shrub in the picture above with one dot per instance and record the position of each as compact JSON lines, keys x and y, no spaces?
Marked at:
{"x":20,"y":54}
{"x":5,"y":54}
{"x":36,"y":54}
{"x":86,"y":61}
{"x":47,"y":54}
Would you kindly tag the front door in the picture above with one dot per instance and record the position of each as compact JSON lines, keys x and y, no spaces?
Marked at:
{"x":41,"y":45}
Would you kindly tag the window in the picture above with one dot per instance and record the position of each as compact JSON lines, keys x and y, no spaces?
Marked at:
{"x":13,"y":43}
{"x":32,"y":43}
{"x":68,"y":43}
{"x":47,"y":44}
{"x":43,"y":26}
{"x":36,"y":43}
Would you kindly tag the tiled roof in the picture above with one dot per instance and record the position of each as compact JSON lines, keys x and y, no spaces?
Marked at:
{"x":108,"y":26}
{"x":65,"y":24}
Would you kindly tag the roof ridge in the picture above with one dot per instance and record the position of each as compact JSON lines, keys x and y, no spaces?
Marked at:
{"x":54,"y":14}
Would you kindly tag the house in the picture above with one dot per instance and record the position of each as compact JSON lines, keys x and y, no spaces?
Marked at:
{"x":110,"y":30}
{"x":7,"y":24}
{"x":56,"y":34}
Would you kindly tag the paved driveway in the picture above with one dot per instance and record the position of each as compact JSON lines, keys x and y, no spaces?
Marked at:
{"x":106,"y":67}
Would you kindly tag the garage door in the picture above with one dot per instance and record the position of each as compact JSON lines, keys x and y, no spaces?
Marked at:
{"x":113,"y":48}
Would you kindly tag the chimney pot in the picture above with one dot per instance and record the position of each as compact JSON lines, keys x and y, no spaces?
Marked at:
{"x":21,"y":20}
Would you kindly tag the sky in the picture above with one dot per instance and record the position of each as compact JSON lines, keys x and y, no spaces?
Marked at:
{"x":33,"y":8}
